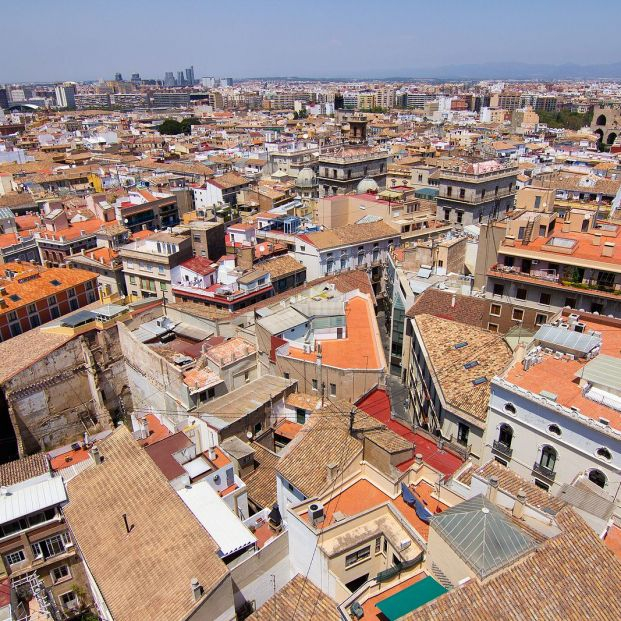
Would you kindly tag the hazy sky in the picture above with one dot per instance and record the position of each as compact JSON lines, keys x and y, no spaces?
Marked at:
{"x":90,"y":39}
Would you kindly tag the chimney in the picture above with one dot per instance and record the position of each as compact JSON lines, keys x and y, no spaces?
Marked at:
{"x":212,"y":454}
{"x":96,"y":455}
{"x":453,"y":300}
{"x":492,"y":490}
{"x":518,"y":507}
{"x":608,"y":249}
{"x":418,"y":458}
{"x":197,"y":589}
{"x":566,"y":228}
{"x":332,"y":471}
{"x":509,"y":240}
{"x":597,"y":239}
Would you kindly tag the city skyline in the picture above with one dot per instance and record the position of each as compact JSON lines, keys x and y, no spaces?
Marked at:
{"x":412,"y":41}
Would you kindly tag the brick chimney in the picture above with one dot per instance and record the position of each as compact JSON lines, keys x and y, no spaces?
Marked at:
{"x":608,"y":249}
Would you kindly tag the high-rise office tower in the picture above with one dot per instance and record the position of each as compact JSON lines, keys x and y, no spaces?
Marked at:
{"x":226,"y":81}
{"x":118,"y":77}
{"x":65,"y":95}
{"x":4,"y":99}
{"x":180,"y":78}
{"x":169,"y":79}
{"x":189,"y":75}
{"x":208,"y":82}
{"x":135,"y":77}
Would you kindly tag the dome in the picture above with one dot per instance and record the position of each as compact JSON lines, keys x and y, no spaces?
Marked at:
{"x":306,"y":178}
{"x":367,"y":185}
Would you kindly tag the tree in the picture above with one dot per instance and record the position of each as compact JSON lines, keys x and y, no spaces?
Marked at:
{"x":172,"y":127}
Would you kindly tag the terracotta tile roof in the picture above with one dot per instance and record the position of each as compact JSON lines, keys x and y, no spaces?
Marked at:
{"x":510,"y":482}
{"x":570,"y":577}
{"x":299,"y":597}
{"x":228,"y":181}
{"x":22,"y":351}
{"x":489,"y":350}
{"x":23,"y":469}
{"x":161,"y":453}
{"x":288,"y":429}
{"x":302,"y":400}
{"x":467,"y":309}
{"x":349,"y":235}
{"x":281,"y":266}
{"x":261,"y":483}
{"x":230,"y":351}
{"x":146,"y":573}
{"x":35,"y":283}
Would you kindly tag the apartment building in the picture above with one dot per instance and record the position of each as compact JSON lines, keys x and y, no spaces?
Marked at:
{"x":122,"y":487}
{"x":219,"y":190}
{"x":38,"y":555}
{"x":207,"y":239}
{"x":448,"y":370}
{"x":355,"y":246}
{"x":554,"y":418}
{"x":549,"y":263}
{"x":341,"y":169}
{"x":329,"y":343}
{"x":148,"y":264}
{"x":144,"y":209}
{"x":32,"y":295}
{"x":474,"y":192}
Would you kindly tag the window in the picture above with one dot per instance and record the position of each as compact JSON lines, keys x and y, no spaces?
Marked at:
{"x":257,"y":428}
{"x":34,"y":321}
{"x":548,"y":458}
{"x":492,"y":327}
{"x":15,"y":329}
{"x":447,"y":214}
{"x":69,"y":601}
{"x":597,"y":477}
{"x":71,"y":292}
{"x":286,"y":375}
{"x":160,"y":269}
{"x":52,"y":300}
{"x":54,"y":312}
{"x":333,"y":390}
{"x":509,"y":261}
{"x":541,"y":319}
{"x":300,"y":415}
{"x":499,"y":289}
{"x":510,"y":408}
{"x":555,"y":429}
{"x":378,"y":545}
{"x":73,"y":303}
{"x":60,"y":573}
{"x":495,"y":309}
{"x":520,"y":294}
{"x":15,"y":557}
{"x":460,"y":217}
{"x":132,"y":280}
{"x":570,"y":302}
{"x":545,"y":298}
{"x":314,"y":384}
{"x":449,"y":191}
{"x":542,"y":485}
{"x":163,"y":286}
{"x":12,"y":316}
{"x":32,"y":309}
{"x":463,"y":431}
{"x":505,"y":436}
{"x":51,"y":546}
{"x":355,"y":557}
{"x":462,"y":193}
{"x":518,"y":314}
{"x":604,"y":453}
{"x":330,"y":266}
{"x":302,"y":248}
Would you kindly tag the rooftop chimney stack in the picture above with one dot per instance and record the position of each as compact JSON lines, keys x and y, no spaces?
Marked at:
{"x":96,"y":455}
{"x":518,"y":507}
{"x":492,"y":490}
{"x":197,"y":589}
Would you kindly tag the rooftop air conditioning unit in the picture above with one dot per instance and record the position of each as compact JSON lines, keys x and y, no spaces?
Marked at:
{"x":316,"y":513}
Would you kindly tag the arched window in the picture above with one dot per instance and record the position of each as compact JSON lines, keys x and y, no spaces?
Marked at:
{"x":611,"y":138}
{"x":597,"y":477}
{"x":509,"y":407}
{"x":555,"y":429}
{"x":601,"y":120}
{"x":505,"y":435}
{"x":604,"y":453}
{"x":548,"y":457}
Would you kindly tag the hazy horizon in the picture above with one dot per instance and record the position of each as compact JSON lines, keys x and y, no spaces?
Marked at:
{"x":71,"y":40}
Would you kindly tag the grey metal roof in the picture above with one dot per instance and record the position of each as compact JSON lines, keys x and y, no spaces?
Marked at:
{"x":110,"y":310}
{"x":482,"y":535}
{"x":281,"y":321}
{"x":192,"y":332}
{"x":581,"y":497}
{"x":602,"y":371}
{"x":6,"y":214}
{"x":77,"y":319}
{"x":321,"y":308}
{"x":559,"y":338}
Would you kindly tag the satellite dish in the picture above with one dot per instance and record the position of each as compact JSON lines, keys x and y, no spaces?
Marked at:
{"x":249,"y":435}
{"x":261,"y":248}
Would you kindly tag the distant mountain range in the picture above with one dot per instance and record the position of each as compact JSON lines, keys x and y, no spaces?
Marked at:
{"x":484,"y":71}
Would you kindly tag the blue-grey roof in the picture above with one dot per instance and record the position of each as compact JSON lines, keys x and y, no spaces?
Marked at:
{"x":6,"y":214}
{"x":562,"y":339}
{"x":482,"y":535}
{"x":77,"y":319}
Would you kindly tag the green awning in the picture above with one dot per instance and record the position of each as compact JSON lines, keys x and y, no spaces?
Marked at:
{"x":409,"y":599}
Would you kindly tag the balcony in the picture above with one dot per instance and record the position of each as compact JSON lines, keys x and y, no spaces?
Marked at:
{"x":544,"y":472}
{"x":477,"y":199}
{"x":550,"y":278}
{"x":502,"y":449}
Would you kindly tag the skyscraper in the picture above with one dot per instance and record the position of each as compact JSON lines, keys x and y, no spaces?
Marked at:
{"x":169,"y":79}
{"x":135,"y":78}
{"x":118,"y":77}
{"x":65,"y":95}
{"x":4,"y":99}
{"x":189,"y":75}
{"x":180,"y":78}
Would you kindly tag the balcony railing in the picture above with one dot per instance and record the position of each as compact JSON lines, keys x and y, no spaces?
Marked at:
{"x":477,"y":198}
{"x":502,"y":449}
{"x":543,"y":471}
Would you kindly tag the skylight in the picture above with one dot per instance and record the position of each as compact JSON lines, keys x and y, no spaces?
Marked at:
{"x":460,"y":345}
{"x":15,"y":297}
{"x":55,"y":282}
{"x":471,"y":364}
{"x":477,"y":381}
